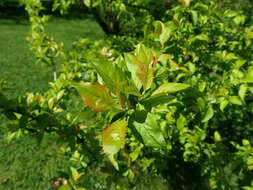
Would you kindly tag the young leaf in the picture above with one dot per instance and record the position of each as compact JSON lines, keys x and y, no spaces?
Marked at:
{"x":209,"y":114}
{"x":65,"y":187}
{"x":181,"y":121}
{"x":110,"y":74}
{"x":165,"y":35}
{"x":144,"y":54}
{"x":158,"y":27}
{"x":169,"y":88}
{"x":145,"y":60}
{"x":150,"y":132}
{"x":132,"y":66}
{"x":185,"y":3}
{"x":113,"y":139}
{"x":242,"y":91}
{"x":236,"y":100}
{"x":146,"y":75}
{"x":223,"y":105}
{"x":96,"y":96}
{"x":123,"y":90}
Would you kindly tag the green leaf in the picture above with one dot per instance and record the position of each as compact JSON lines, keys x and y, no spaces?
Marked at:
{"x":113,"y":161}
{"x":96,"y":96}
{"x":110,"y":73}
{"x":123,"y":90}
{"x":249,"y":75}
{"x":60,"y":94}
{"x":143,"y":54}
{"x":163,"y":31}
{"x":209,"y":114}
{"x":65,"y":187}
{"x":127,"y":89}
{"x":169,"y":88}
{"x":223,"y":105}
{"x":133,"y":67}
{"x":157,"y":100}
{"x":145,"y":65}
{"x":158,"y":27}
{"x":181,"y":121}
{"x":235,"y":100}
{"x":134,"y":155}
{"x":75,"y":174}
{"x":165,"y":35}
{"x":113,"y":139}
{"x":141,"y":67}
{"x":217,"y":137}
{"x":242,"y":91}
{"x":200,"y":37}
{"x":247,"y":188}
{"x":51,"y":103}
{"x":185,"y":3}
{"x":146,"y":75}
{"x":194,"y":15}
{"x":150,"y":132}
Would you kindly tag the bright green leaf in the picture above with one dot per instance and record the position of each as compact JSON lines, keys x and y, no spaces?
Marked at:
{"x":242,"y":91}
{"x":143,"y":54}
{"x":169,"y":88}
{"x":181,"y":121}
{"x":223,"y":105}
{"x":65,"y":187}
{"x":146,"y":76}
{"x":217,"y":136}
{"x":133,"y":67}
{"x":110,"y":73}
{"x":113,"y":139}
{"x":209,"y":114}
{"x":150,"y":132}
{"x":235,"y":100}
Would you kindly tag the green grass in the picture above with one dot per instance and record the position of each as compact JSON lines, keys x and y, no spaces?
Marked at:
{"x":23,"y":163}
{"x":17,"y":62}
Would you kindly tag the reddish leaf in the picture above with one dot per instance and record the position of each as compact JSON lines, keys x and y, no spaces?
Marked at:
{"x":113,"y":139}
{"x":146,"y":75}
{"x":96,"y":96}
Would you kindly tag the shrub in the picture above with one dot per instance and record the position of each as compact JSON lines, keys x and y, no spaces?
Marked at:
{"x":179,"y":104}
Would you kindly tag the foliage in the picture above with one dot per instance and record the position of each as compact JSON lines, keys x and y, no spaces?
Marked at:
{"x":179,"y":104}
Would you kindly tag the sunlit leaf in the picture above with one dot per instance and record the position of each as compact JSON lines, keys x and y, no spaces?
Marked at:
{"x":143,"y":54}
{"x":65,"y":187}
{"x":110,"y":73}
{"x":223,"y":105}
{"x":96,"y":96}
{"x":113,"y":139}
{"x":235,"y":100}
{"x":150,"y":132}
{"x":146,"y":75}
{"x":169,"y":88}
{"x":181,"y":121}
{"x":209,"y":114}
{"x":132,"y":66}
{"x":242,"y":91}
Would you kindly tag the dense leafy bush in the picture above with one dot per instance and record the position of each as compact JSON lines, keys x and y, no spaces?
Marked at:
{"x":178,"y":104}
